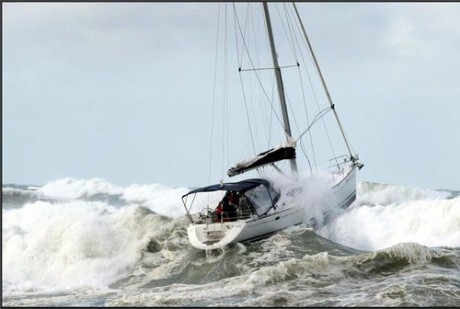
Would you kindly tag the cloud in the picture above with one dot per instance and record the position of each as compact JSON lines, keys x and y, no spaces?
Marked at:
{"x":400,"y":37}
{"x":423,"y":29}
{"x":114,"y":27}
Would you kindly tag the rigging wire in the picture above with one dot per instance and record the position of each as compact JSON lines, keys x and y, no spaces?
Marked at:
{"x":347,"y":143}
{"x":260,"y":110}
{"x":261,"y":33}
{"x":290,"y":38}
{"x":302,"y":146}
{"x":225,"y":131}
{"x":257,"y":75}
{"x":291,"y":31}
{"x":314,"y":92}
{"x":293,"y":37}
{"x":291,"y":41}
{"x":319,"y":116}
{"x":241,"y":80}
{"x":214,"y":95}
{"x":240,"y":62}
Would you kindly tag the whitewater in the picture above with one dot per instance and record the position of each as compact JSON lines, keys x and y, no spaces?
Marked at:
{"x":87,"y":242}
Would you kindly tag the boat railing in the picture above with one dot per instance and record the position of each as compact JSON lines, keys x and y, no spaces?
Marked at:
{"x":337,"y":167}
{"x":208,"y":216}
{"x":335,"y":163}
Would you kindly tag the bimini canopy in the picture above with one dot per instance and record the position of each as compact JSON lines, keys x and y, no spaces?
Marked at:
{"x":260,"y":192}
{"x":241,"y":186}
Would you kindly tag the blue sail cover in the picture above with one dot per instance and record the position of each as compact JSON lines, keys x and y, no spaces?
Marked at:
{"x":270,"y":156}
{"x":241,"y":186}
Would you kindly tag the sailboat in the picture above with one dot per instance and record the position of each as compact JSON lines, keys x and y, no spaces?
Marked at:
{"x":256,"y":207}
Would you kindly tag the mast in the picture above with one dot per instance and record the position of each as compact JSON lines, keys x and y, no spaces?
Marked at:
{"x":279,"y":84}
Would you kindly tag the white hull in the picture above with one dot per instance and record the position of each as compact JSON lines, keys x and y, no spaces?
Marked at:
{"x":218,"y":235}
{"x":209,"y":236}
{"x":345,"y":190}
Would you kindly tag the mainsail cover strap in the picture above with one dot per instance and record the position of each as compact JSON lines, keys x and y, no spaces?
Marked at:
{"x":270,"y":156}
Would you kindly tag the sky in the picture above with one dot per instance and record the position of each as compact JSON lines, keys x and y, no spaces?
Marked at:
{"x":122,"y":91}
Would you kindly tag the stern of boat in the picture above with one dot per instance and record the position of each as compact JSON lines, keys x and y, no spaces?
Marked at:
{"x":215,"y":235}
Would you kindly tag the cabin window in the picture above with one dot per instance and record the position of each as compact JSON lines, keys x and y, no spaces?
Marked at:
{"x":262,"y":198}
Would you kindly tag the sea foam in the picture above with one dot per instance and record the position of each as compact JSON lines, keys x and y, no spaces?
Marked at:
{"x":430,"y":222}
{"x":74,"y":243}
{"x":68,"y":240}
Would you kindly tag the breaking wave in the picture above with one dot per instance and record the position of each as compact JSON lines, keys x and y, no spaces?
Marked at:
{"x":74,"y":233}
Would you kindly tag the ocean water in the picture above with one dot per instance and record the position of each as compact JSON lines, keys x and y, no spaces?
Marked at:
{"x":91,"y":243}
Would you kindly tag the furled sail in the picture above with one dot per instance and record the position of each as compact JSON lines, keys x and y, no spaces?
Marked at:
{"x":282,"y":152}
